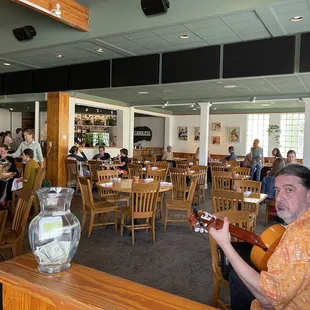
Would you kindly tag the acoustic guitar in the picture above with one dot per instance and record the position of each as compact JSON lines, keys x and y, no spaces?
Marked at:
{"x":263,"y":245}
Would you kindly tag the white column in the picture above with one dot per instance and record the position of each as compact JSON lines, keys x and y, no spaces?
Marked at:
{"x":168,"y":132}
{"x":37,"y":121}
{"x":72,"y":102}
{"x":204,"y":132}
{"x":306,"y":156}
{"x":131,"y":130}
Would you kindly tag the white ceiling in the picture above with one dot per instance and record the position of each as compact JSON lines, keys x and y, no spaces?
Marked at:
{"x":265,"y":21}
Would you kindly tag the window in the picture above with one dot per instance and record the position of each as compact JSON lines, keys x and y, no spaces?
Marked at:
{"x":292,"y":133}
{"x":257,"y":129}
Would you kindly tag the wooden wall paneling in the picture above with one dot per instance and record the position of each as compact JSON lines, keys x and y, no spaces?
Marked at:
{"x":57,"y":129}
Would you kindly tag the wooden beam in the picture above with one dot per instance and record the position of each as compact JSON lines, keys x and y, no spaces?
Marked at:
{"x":72,"y":13}
{"x":57,"y":135}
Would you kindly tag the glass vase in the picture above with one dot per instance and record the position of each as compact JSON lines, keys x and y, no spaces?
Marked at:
{"x":54,"y":234}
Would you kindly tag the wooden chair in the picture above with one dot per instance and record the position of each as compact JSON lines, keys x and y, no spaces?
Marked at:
{"x":221,"y":180}
{"x":13,"y":237}
{"x":242,"y":171}
{"x":159,"y":176}
{"x":179,"y":182}
{"x":248,"y":185}
{"x":108,"y":195}
{"x":238,"y":218}
{"x":217,"y":167}
{"x":137,"y":159}
{"x":181,"y":205}
{"x":95,"y":207}
{"x":182,"y":164}
{"x":233,"y":163}
{"x":270,"y":205}
{"x":161,"y":165}
{"x":143,"y":206}
{"x":20,"y":168}
{"x":150,"y":158}
{"x":135,"y":170}
{"x":3,"y":216}
{"x":226,"y":200}
{"x":73,"y":173}
{"x":201,"y":182}
{"x":36,"y":186}
{"x":94,"y":166}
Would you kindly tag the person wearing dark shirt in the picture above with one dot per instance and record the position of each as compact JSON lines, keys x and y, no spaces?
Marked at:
{"x":124,"y":161}
{"x":74,"y":154}
{"x":5,"y":186}
{"x":102,"y":154}
{"x":232,"y":156}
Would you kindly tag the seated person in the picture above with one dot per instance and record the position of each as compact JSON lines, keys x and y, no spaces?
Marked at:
{"x":247,"y":161}
{"x":276,"y":153}
{"x":286,"y":284}
{"x":74,"y":153}
{"x":123,"y":157}
{"x":291,"y":158}
{"x":168,"y":155}
{"x":102,"y":154}
{"x":232,"y":156}
{"x":30,"y":171}
{"x":5,"y":186}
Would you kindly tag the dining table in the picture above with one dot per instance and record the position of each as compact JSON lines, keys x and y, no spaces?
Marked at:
{"x":125,"y":185}
{"x":7,"y":175}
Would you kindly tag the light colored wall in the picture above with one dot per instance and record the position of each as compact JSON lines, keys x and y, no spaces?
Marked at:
{"x":157,"y":126}
{"x":43,"y":117}
{"x":5,"y":120}
{"x":16,"y":121}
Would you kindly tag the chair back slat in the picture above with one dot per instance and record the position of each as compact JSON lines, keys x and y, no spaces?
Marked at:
{"x":106,"y":175}
{"x":72,"y":170}
{"x":217,"y":167}
{"x":134,"y":170}
{"x":192,"y":187}
{"x":157,"y":175}
{"x":226,"y":200}
{"x":178,"y":180}
{"x":182,"y":164}
{"x":3,"y":216}
{"x":39,"y":179}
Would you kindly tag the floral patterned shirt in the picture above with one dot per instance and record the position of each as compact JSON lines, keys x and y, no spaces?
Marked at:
{"x":286,"y":284}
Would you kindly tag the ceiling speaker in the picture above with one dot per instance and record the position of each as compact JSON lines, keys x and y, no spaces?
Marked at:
{"x":151,"y":7}
{"x":24,"y":33}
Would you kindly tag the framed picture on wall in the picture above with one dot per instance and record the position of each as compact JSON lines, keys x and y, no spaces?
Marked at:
{"x":182,"y":133}
{"x":216,"y":140}
{"x":233,"y":134}
{"x":216,"y":126}
{"x":196,"y":133}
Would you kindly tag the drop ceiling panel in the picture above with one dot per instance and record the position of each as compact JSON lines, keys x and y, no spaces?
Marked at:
{"x":206,"y":23}
{"x":247,"y":27}
{"x":193,"y":45}
{"x":170,"y":30}
{"x":153,"y":42}
{"x":239,"y":17}
{"x":290,"y":7}
{"x":215,"y":32}
{"x":140,"y":35}
{"x":255,"y":36}
{"x":287,"y":84}
{"x":295,"y":27}
{"x":218,"y":41}
{"x":175,"y":38}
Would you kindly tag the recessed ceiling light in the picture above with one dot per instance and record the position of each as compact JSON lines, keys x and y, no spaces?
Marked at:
{"x":214,"y":108}
{"x":6,"y":64}
{"x":163,"y":106}
{"x":184,"y":36}
{"x":11,"y":109}
{"x":272,"y":102}
{"x":296,"y":19}
{"x":143,"y":92}
{"x":167,"y":102}
{"x":28,"y":108}
{"x":194,"y":109}
{"x":219,"y":82}
{"x":265,"y":105}
{"x":230,"y":86}
{"x":100,"y":50}
{"x":59,"y":56}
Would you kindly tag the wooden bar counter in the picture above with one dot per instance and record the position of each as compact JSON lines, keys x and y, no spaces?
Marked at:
{"x":79,"y":288}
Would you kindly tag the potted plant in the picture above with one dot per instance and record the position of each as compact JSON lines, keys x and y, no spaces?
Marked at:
{"x":274,"y":130}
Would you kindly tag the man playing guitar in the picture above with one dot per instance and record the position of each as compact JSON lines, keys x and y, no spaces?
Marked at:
{"x":286,"y":284}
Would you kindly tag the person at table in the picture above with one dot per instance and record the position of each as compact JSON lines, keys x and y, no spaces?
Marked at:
{"x":232,"y":155}
{"x":8,"y":139}
{"x":276,"y":154}
{"x":168,"y":155}
{"x":123,"y":157}
{"x":31,"y":169}
{"x":291,"y":158}
{"x":18,"y":139}
{"x":5,"y":186}
{"x":31,"y":144}
{"x":79,"y":155}
{"x":102,"y":155}
{"x":286,"y":284}
{"x":257,"y":160}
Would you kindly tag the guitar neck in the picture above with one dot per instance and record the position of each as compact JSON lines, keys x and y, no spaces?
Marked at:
{"x":241,"y":234}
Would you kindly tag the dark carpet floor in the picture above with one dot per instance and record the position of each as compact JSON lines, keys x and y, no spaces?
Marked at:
{"x":179,"y":262}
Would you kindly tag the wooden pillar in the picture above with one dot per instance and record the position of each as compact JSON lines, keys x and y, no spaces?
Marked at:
{"x":57,"y":137}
